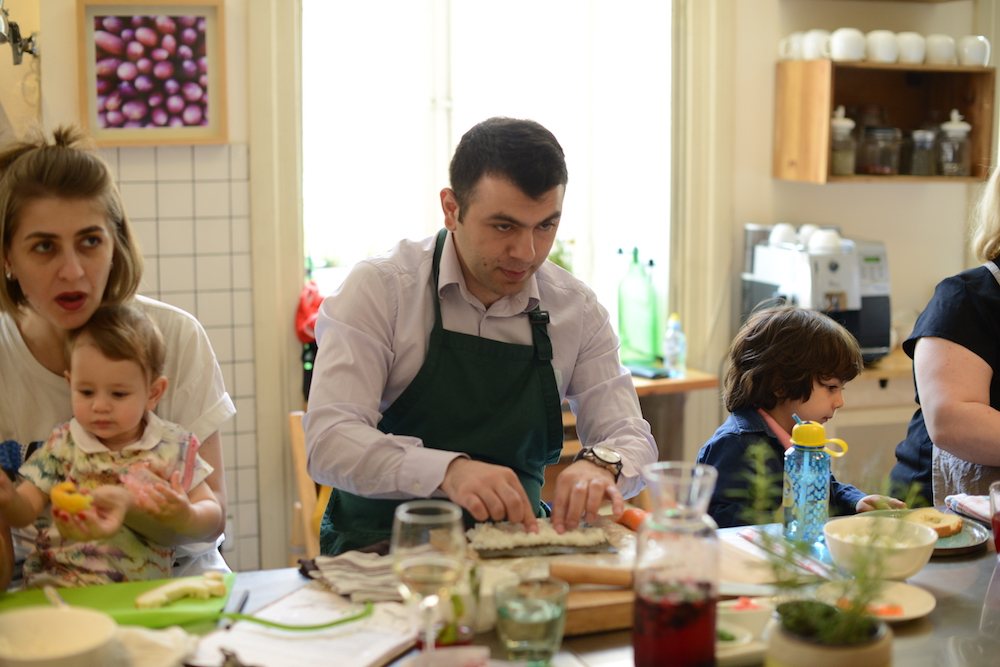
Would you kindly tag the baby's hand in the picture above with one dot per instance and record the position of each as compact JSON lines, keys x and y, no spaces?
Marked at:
{"x":869,"y":503}
{"x":169,"y":505}
{"x":103,"y":519}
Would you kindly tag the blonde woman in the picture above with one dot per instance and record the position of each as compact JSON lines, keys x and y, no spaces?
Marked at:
{"x":953,"y":442}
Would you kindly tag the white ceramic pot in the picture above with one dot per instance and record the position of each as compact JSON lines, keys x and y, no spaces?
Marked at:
{"x":816,"y":44}
{"x":881,"y":46}
{"x":787,"y":650}
{"x":912,"y":47}
{"x":973,"y":51}
{"x":940,"y":50}
{"x":790,"y":48}
{"x":847,"y":44}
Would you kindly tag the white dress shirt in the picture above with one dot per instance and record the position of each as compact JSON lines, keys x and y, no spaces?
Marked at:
{"x":373,"y":334}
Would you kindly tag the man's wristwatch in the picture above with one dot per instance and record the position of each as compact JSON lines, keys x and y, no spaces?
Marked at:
{"x":603,"y":457}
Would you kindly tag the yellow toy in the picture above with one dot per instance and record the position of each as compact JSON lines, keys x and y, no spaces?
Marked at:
{"x":66,"y":497}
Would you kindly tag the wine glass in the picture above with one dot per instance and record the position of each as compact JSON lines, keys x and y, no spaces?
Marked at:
{"x":428,"y":552}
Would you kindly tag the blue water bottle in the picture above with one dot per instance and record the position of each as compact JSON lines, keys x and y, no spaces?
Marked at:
{"x":805,"y":497}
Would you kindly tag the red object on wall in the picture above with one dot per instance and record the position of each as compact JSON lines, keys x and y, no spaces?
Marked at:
{"x":305,"y":315}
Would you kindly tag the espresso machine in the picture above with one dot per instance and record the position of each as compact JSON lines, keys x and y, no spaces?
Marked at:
{"x":818,"y":269}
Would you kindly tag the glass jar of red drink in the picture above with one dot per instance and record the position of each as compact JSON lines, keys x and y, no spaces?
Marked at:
{"x":676,"y":571}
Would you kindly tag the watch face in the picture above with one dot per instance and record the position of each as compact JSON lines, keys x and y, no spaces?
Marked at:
{"x":607,"y":454}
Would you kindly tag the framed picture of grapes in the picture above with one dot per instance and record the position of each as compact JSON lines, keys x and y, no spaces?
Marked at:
{"x":153,"y":73}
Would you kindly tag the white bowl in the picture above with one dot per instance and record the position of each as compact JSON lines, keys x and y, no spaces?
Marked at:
{"x":889,"y":548}
{"x":749,"y":613}
{"x":55,"y":637}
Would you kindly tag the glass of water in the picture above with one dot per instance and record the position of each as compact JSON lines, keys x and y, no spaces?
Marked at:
{"x":531,"y":615}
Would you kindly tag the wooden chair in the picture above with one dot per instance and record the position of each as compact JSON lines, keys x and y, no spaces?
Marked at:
{"x":313,"y":497}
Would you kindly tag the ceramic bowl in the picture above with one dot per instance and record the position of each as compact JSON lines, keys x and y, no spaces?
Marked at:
{"x":55,"y":637}
{"x":889,"y":548}
{"x":749,"y":613}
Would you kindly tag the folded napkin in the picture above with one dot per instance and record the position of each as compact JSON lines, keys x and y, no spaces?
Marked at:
{"x":978,"y":507}
{"x":361,"y":576}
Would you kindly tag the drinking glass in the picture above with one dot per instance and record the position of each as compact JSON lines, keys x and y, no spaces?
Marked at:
{"x":531,"y":617}
{"x":428,"y":552}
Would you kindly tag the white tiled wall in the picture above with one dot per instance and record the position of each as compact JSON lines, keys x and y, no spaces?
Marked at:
{"x":190,"y":206}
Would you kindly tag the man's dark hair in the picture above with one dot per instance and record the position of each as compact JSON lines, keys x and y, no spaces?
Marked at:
{"x":522,"y":151}
{"x":780,"y":351}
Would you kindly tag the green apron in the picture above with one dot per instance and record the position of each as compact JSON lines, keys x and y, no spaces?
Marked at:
{"x":497,"y":402}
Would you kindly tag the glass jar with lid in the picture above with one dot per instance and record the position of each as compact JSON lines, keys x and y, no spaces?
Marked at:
{"x":921,"y":162}
{"x":878,"y":153}
{"x":842,"y":144}
{"x":954,"y":155}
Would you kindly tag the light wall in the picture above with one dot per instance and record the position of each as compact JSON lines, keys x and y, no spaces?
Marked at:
{"x":19,"y":92}
{"x":191,"y":209}
{"x":922,"y":224}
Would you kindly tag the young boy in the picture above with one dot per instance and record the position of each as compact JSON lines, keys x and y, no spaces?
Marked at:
{"x":117,"y":451}
{"x":785,"y":362}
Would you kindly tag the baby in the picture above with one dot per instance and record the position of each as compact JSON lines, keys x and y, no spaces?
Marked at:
{"x":128,"y":464}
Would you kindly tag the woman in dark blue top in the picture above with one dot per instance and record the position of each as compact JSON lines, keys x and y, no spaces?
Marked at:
{"x":953,"y":442}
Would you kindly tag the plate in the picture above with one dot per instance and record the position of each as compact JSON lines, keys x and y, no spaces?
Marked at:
{"x":915,"y":601}
{"x":971,"y":538}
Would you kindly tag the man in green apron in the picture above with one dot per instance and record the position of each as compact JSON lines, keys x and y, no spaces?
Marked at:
{"x":442,"y":365}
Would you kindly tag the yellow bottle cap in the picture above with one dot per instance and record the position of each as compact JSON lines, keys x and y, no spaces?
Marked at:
{"x":812,"y":435}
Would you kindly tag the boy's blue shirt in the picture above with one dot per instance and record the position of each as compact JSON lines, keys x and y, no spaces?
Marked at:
{"x":726,"y":451}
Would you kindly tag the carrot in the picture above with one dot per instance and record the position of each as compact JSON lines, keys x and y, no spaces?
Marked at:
{"x":632,"y":518}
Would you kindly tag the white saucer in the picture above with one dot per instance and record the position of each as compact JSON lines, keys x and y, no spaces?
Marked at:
{"x":915,"y":601}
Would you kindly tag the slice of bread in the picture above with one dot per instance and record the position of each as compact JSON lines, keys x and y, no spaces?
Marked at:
{"x":946,"y":525}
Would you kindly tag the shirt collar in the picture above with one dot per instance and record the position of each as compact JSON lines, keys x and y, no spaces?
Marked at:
{"x":783,"y":437}
{"x":451,"y":274}
{"x":88,"y":444}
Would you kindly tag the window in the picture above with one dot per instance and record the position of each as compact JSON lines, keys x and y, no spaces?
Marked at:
{"x":389,"y":88}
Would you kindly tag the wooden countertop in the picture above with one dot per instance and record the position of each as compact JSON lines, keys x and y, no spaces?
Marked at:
{"x":894,"y":365}
{"x":695,"y":379}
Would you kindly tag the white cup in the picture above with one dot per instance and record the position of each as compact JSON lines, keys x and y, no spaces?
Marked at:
{"x":816,"y":44}
{"x":847,"y":44}
{"x":912,"y":47}
{"x":790,"y":48}
{"x":974,"y":51}
{"x":881,"y":46}
{"x":940,"y":50}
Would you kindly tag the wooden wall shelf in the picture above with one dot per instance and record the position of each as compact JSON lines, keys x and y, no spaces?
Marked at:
{"x":807,"y":92}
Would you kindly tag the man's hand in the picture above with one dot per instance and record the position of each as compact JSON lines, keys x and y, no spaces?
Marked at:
{"x":489,"y":491}
{"x":100,"y":521}
{"x":580,"y":490}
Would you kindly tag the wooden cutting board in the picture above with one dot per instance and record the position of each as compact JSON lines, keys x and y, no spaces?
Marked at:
{"x":598,"y":610}
{"x":590,"y":606}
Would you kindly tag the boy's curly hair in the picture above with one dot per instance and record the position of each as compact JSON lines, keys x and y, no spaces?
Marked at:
{"x":781,"y":351}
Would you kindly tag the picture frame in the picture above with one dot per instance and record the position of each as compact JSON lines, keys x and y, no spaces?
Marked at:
{"x":153,"y":73}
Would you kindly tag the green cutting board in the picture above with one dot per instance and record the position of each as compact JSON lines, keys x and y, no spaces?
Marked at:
{"x":118,"y":601}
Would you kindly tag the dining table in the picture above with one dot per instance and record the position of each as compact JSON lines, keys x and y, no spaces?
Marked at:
{"x":962,"y":630}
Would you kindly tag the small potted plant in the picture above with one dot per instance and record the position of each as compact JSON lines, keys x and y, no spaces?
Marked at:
{"x":806,"y":632}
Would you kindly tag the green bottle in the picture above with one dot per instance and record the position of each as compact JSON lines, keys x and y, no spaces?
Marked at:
{"x":637,"y":315}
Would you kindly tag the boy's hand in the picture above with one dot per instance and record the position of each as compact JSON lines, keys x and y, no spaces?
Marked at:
{"x":870,"y":503}
{"x":169,"y":505}
{"x":103,"y":519}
